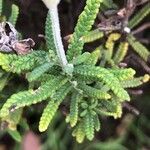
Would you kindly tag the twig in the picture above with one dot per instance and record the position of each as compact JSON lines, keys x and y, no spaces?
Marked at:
{"x":138,"y":61}
{"x":131,"y":108}
{"x":53,"y":10}
{"x":141,"y":28}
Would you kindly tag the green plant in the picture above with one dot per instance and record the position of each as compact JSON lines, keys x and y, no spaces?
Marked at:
{"x":92,"y":84}
{"x":9,"y":122}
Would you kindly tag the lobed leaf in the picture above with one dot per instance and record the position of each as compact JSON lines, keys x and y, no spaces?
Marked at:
{"x":86,"y":18}
{"x":14,"y":14}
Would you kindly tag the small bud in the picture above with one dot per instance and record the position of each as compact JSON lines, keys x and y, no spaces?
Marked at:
{"x":146,"y":78}
{"x":51,"y":3}
{"x":127,"y":30}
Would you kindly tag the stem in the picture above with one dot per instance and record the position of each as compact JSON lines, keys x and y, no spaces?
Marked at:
{"x":52,"y":6}
{"x":57,"y":36}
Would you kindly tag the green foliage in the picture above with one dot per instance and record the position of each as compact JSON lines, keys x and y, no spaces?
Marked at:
{"x":47,"y":115}
{"x":86,"y":18}
{"x":92,"y":36}
{"x":97,"y":125}
{"x":109,"y":4}
{"x":17,"y":64}
{"x":138,"y":47}
{"x":110,"y":44}
{"x":89,"y":126}
{"x":3,"y":81}
{"x":73,"y":116}
{"x":15,"y":135}
{"x":123,"y":74}
{"x":111,"y":108}
{"x":49,"y":34}
{"x":135,"y":82}
{"x":52,"y":107}
{"x":29,"y":97}
{"x":96,"y":85}
{"x":94,"y":57}
{"x":79,"y":132}
{"x":105,"y":75}
{"x":1,"y":7}
{"x":93,"y":92}
{"x":14,"y":14}
{"x":38,"y":71}
{"x":142,"y":13}
{"x":81,"y":58}
{"x":121,"y":52}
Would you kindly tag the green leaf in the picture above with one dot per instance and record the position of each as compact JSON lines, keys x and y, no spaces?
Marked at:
{"x":84,"y":24}
{"x":135,"y":82}
{"x":93,"y":92}
{"x":121,"y":52}
{"x":94,"y":56}
{"x":79,"y":132}
{"x":18,"y":63}
{"x":73,"y":116}
{"x":52,"y":106}
{"x":97,"y":125}
{"x":38,"y":71}
{"x":30,"y":97}
{"x":14,"y":14}
{"x":89,"y":126}
{"x":1,"y":7}
{"x":92,"y":36}
{"x":49,"y":34}
{"x":138,"y":47}
{"x":102,"y":74}
{"x":15,"y":135}
{"x":140,"y":15}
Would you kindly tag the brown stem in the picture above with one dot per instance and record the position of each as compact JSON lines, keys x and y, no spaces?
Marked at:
{"x":141,"y":28}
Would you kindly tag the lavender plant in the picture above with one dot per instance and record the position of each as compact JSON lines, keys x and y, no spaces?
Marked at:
{"x":93,"y":84}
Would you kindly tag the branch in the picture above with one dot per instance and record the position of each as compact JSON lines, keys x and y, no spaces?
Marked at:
{"x":141,"y":28}
{"x":52,"y":6}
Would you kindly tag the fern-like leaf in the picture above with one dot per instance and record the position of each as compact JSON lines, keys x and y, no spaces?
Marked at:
{"x":14,"y":14}
{"x":48,"y":115}
{"x":97,"y":125}
{"x":89,"y":126}
{"x":1,"y":7}
{"x":121,"y":52}
{"x":135,"y":82}
{"x":139,"y":16}
{"x":92,"y":36}
{"x":18,"y":63}
{"x":138,"y":47}
{"x":13,"y":119}
{"x":93,"y":92}
{"x":49,"y":34}
{"x":93,"y":59}
{"x":79,"y":132}
{"x":52,"y":107}
{"x":30,"y":97}
{"x":111,"y":108}
{"x":86,"y":18}
{"x":37,"y":72}
{"x":102,"y":74}
{"x":123,"y":74}
{"x":81,"y":58}
{"x":73,"y":116}
{"x":110,"y":44}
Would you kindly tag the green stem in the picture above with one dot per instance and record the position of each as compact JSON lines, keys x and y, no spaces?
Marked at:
{"x":57,"y":36}
{"x":53,"y":11}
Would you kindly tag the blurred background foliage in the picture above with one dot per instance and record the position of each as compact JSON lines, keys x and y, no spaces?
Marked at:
{"x":131,"y":132}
